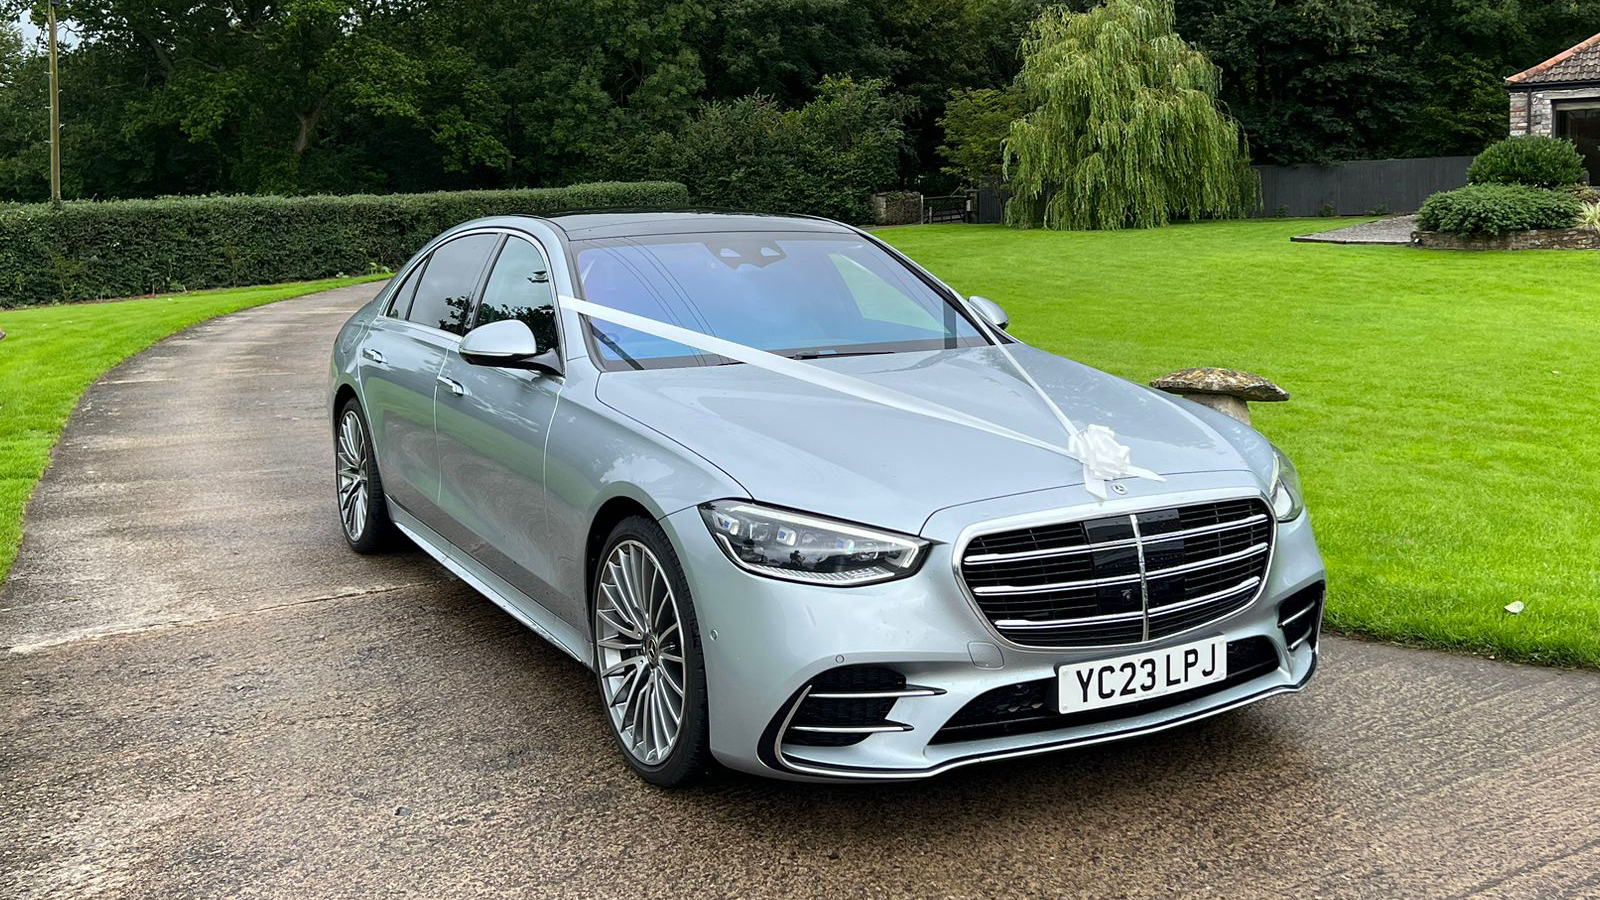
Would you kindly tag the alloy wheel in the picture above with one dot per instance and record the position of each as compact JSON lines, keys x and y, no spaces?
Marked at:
{"x":639,"y":637}
{"x":352,"y":475}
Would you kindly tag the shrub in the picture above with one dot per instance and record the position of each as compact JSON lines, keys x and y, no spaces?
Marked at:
{"x":1530,"y":159}
{"x":1498,"y":209}
{"x":826,"y":158}
{"x":90,"y":250}
{"x":1590,"y":217}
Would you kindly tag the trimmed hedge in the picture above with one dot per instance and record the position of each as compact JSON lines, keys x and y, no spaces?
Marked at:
{"x":91,"y":250}
{"x":1532,"y":159}
{"x":1498,"y":209}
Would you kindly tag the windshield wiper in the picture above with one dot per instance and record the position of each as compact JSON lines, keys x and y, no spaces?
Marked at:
{"x":834,"y":354}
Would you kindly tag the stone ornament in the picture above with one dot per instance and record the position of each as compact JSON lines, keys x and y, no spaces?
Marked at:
{"x":1224,"y":390}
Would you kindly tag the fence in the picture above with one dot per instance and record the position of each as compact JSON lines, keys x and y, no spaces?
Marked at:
{"x":1359,"y":187}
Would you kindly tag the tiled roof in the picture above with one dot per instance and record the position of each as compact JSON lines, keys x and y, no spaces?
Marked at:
{"x":1581,"y":63}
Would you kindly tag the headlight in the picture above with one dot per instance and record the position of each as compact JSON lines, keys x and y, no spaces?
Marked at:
{"x":1286,"y":496}
{"x":799,"y":547}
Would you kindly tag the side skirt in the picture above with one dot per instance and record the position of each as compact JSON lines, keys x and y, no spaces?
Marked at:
{"x":521,"y":607}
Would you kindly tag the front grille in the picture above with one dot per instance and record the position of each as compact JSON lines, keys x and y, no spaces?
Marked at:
{"x":1032,"y":706}
{"x":1121,"y":579}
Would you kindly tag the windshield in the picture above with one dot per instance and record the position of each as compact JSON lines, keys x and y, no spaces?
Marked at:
{"x":799,"y":295}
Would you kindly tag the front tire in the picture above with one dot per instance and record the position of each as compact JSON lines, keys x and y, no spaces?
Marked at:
{"x":363,"y":512}
{"x":648,"y":657}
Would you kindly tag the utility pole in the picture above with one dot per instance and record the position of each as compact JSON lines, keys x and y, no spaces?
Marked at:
{"x":55,"y":114}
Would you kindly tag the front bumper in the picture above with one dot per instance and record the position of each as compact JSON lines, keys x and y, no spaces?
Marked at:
{"x":765,"y":641}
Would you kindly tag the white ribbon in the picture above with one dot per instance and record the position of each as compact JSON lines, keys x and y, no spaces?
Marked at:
{"x":1095,"y":447}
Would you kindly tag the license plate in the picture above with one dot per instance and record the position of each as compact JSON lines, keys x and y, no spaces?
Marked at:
{"x":1141,"y":676}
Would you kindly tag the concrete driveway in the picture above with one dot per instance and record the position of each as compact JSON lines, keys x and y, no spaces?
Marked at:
{"x":206,"y":695}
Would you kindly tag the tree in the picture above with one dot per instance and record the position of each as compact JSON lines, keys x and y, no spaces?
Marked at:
{"x":975,"y":124}
{"x":1124,"y":128}
{"x":1310,"y":81}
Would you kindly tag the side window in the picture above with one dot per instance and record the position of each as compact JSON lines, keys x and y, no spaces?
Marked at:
{"x":444,"y":295}
{"x":400,"y":300}
{"x":519,"y":288}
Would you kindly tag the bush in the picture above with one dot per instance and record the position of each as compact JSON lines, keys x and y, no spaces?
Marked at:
{"x":1498,"y":209}
{"x":1530,"y":159}
{"x":826,"y":158}
{"x":92,"y":250}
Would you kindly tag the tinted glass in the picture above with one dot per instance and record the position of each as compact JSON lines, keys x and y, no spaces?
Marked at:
{"x":793,"y":294}
{"x":400,"y":300}
{"x":444,"y":295}
{"x":519,"y":288}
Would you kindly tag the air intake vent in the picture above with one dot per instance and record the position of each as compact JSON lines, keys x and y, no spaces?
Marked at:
{"x":846,"y":705}
{"x":1300,"y":615}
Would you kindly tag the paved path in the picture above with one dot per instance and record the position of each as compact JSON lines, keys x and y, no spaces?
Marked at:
{"x":1395,"y":230}
{"x":207,"y":695}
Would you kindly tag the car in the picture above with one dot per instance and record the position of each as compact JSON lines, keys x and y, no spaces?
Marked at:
{"x":805,"y":510}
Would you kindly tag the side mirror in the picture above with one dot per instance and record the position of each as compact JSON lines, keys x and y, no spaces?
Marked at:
{"x":507,"y":344}
{"x":991,"y":312}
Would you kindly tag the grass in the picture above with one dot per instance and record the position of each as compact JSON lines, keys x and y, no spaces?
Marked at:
{"x":51,"y":354}
{"x":1444,"y":412}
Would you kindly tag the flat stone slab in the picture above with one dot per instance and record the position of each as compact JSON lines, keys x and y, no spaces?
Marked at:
{"x":1395,"y":230}
{"x":207,"y":695}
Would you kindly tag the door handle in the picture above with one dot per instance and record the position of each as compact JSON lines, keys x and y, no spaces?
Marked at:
{"x":454,"y":385}
{"x":372,"y":354}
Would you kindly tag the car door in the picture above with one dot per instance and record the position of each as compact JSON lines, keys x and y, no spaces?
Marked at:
{"x":401,"y":357}
{"x":492,"y":424}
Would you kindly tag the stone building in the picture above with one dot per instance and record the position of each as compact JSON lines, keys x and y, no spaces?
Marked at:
{"x":1561,"y":97}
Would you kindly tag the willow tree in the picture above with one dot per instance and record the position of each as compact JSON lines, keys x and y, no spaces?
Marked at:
{"x":1125,"y":129}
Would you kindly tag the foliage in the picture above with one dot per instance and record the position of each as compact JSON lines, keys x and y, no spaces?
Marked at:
{"x":1124,"y":128}
{"x":1425,"y":501}
{"x":59,"y":351}
{"x":1498,"y":209}
{"x":335,"y":96}
{"x":825,"y":158}
{"x":1532,"y":159}
{"x":1309,"y":80}
{"x":1590,"y":216}
{"x":90,"y":250}
{"x":976,"y":123}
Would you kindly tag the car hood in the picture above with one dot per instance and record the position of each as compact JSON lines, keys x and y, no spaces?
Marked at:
{"x":791,"y":443}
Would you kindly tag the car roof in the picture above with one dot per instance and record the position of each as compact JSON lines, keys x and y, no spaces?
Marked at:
{"x":591,"y":225}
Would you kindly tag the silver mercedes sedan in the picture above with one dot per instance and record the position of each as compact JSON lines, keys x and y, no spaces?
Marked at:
{"x":805,"y":510}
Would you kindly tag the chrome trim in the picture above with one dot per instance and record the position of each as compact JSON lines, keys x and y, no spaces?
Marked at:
{"x":851,"y":729}
{"x":1144,"y":579}
{"x":989,"y":558}
{"x":1252,"y":550}
{"x":1087,"y":511}
{"x":803,"y":766}
{"x":1284,"y":622}
{"x":1250,"y":582}
{"x":1301,"y":640}
{"x":877,"y":695}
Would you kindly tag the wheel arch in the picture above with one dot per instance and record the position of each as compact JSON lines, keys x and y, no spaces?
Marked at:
{"x":606,"y":518}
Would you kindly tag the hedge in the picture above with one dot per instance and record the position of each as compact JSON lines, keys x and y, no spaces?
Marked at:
{"x":90,"y":250}
{"x":1498,"y":209}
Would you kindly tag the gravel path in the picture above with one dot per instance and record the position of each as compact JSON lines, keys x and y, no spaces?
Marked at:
{"x":1396,"y":230}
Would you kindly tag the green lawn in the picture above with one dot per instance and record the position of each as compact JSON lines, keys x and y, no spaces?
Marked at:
{"x":51,"y":354}
{"x":1445,"y":404}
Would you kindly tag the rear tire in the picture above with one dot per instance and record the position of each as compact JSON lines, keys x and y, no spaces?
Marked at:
{"x":363,"y":512}
{"x":647,"y":654}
